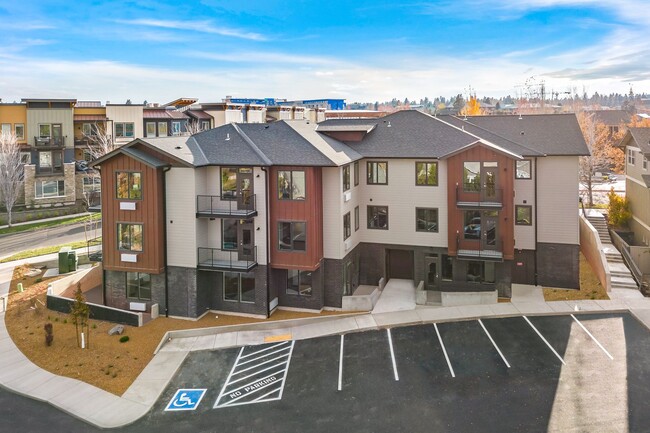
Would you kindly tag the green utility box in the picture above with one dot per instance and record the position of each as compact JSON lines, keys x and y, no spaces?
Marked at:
{"x":67,"y":260}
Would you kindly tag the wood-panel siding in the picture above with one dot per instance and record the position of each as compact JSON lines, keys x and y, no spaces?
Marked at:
{"x":149,"y":213}
{"x":309,"y":210}
{"x":505,"y":181}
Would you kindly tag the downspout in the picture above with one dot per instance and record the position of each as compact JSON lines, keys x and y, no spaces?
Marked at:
{"x":103,"y":270}
{"x":165,"y":239}
{"x":267,"y":240}
{"x":536,"y":221}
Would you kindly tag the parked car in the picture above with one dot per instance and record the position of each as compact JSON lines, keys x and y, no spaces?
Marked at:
{"x":95,"y":257}
{"x":473,"y":229}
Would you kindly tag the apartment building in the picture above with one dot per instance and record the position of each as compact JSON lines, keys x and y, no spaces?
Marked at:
{"x":636,"y":144}
{"x":249,"y":217}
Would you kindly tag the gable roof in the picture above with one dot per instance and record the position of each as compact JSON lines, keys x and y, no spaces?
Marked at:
{"x":334,"y":150}
{"x":612,"y":117}
{"x":137,"y":154}
{"x":637,"y":137}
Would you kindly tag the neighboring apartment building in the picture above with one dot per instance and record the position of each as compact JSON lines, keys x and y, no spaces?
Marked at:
{"x":636,"y":144}
{"x":248,"y":217}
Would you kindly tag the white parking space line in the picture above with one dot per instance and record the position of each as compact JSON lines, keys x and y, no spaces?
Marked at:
{"x":493,"y":343}
{"x":544,"y":339}
{"x":341,"y":364}
{"x":232,"y":370}
{"x":265,"y":355}
{"x":266,"y":349}
{"x":284,"y":379}
{"x":392,"y":354}
{"x":593,"y":338}
{"x":451,"y":369}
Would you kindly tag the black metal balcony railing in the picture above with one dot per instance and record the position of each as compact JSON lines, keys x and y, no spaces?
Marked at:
{"x":471,"y":195}
{"x":49,"y":170}
{"x":490,"y":249}
{"x":228,"y":260}
{"x":49,"y":141}
{"x":240,"y":206}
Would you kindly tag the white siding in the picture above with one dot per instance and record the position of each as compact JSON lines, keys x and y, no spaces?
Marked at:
{"x":181,"y":218}
{"x":557,"y":213}
{"x":129,"y":114}
{"x":332,"y":214}
{"x":260,"y":219}
{"x":635,"y":170}
{"x":525,"y":195}
{"x":64,"y":116}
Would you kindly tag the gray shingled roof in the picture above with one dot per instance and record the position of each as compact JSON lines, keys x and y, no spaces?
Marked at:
{"x":612,"y":117}
{"x":641,"y":137}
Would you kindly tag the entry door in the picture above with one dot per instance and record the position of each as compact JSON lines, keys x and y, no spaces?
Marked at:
{"x":489,"y":172}
{"x":490,"y":229}
{"x":431,"y":269}
{"x":245,"y":189}
{"x":57,"y":134}
{"x":246,"y":236}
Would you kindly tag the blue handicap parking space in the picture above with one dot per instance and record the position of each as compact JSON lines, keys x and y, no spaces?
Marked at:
{"x":186,"y":399}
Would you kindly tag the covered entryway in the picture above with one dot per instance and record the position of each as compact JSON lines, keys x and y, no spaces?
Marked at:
{"x":399,"y":264}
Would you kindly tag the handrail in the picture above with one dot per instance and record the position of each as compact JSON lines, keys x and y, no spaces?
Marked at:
{"x":478,"y":194}
{"x":225,"y":259}
{"x":229,"y":205}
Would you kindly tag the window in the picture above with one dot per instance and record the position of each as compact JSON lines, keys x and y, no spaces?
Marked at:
{"x":205,"y":125}
{"x":480,"y":272}
{"x":524,"y":170}
{"x":129,"y":185}
{"x":19,"y":128}
{"x":426,"y":220}
{"x":138,"y":286}
{"x":631,"y":157}
{"x":129,"y":237}
{"x":5,"y":128}
{"x":124,"y":130}
{"x":292,"y":236}
{"x":356,"y":173}
{"x":377,"y":173}
{"x":426,"y":173}
{"x":239,"y":287}
{"x":91,"y":184}
{"x":87,"y":155}
{"x":447,"y":268}
{"x":87,"y":129}
{"x":229,"y":234}
{"x":356,"y":218}
{"x":298,"y":282}
{"x":162,"y":129}
{"x":645,"y":163}
{"x":346,"y":178}
{"x":151,"y":129}
{"x":176,"y":128}
{"x":347,"y":226}
{"x":291,"y":185}
{"x":471,"y":176}
{"x":44,"y":131}
{"x":472,"y":228}
{"x":45,"y":159}
{"x":523,"y":215}
{"x":228,"y":183}
{"x":378,"y":217}
{"x":50,"y":188}
{"x":25,"y":158}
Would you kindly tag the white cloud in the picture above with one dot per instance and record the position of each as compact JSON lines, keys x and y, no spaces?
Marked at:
{"x":262,"y":57}
{"x":196,"y":26}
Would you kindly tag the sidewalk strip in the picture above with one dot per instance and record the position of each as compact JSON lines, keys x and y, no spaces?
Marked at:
{"x":451,"y":369}
{"x":493,"y":343}
{"x":544,"y":339}
{"x":392,"y":353}
{"x":593,"y":338}
{"x":341,"y":364}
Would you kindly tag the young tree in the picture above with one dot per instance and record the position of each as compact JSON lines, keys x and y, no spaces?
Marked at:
{"x":472,"y":107}
{"x":79,"y":315}
{"x":11,"y":172}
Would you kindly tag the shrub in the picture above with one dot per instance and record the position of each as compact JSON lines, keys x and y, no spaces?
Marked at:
{"x":618,"y":209}
{"x":49,"y":337}
{"x":124,"y":338}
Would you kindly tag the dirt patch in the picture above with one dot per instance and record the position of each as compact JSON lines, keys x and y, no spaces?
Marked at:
{"x":107,"y":363}
{"x":590,"y":287}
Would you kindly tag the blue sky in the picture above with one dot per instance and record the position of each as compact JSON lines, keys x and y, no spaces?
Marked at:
{"x":361,"y":51}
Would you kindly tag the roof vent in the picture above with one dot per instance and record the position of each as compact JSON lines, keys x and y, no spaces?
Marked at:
{"x":462,"y":127}
{"x":228,"y":137}
{"x":178,"y":148}
{"x":522,"y":132}
{"x":520,"y":118}
{"x":465,"y":118}
{"x":389,"y":125}
{"x":266,"y":126}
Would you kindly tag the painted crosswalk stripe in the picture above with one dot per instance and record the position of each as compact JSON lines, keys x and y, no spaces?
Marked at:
{"x":544,"y":339}
{"x":258,"y":375}
{"x":593,"y":338}
{"x":444,"y":351}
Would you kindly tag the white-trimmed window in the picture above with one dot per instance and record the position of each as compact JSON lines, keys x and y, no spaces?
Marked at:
{"x":151,"y":129}
{"x":19,"y":128}
{"x":176,"y":128}
{"x":50,"y":188}
{"x":5,"y":128}
{"x":124,"y":129}
{"x":162,"y":129}
{"x":631,"y":156}
{"x":524,"y":170}
{"x":346,"y":178}
{"x":92,"y":184}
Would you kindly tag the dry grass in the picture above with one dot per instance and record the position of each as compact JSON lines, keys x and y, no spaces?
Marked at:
{"x":590,"y":287}
{"x":107,"y":363}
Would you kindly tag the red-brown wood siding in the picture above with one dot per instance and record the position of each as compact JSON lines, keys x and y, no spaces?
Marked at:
{"x":505,"y":182}
{"x":309,"y":210}
{"x":149,"y":213}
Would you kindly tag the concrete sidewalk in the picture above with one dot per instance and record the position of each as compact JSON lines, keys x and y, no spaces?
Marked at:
{"x":105,"y":410}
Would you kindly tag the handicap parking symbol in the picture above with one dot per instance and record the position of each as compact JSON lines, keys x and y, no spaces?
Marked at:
{"x":186,"y":399}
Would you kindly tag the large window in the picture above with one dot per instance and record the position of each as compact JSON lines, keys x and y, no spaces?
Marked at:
{"x":151,"y":129}
{"x":124,"y":130}
{"x":291,"y":185}
{"x":347,"y":226}
{"x":5,"y":128}
{"x":45,"y":130}
{"x":162,"y":129}
{"x":356,"y":218}
{"x":472,"y":229}
{"x":377,"y":173}
{"x":50,"y":188}
{"x":524,"y":170}
{"x":229,"y":234}
{"x":356,"y":173}
{"x":480,"y":272}
{"x":292,"y":236}
{"x":346,"y":177}
{"x":138,"y":286}
{"x":631,"y":157}
{"x":299,"y":282}
{"x":471,"y":176}
{"x":239,"y":287}
{"x":176,"y":128}
{"x":426,"y":173}
{"x":129,"y":237}
{"x":129,"y":185}
{"x":19,"y":129}
{"x":523,"y":215}
{"x":426,"y":220}
{"x":92,"y":184}
{"x":378,"y":217}
{"x":228,"y":183}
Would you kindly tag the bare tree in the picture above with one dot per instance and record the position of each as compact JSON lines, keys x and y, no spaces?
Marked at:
{"x":194,"y":127}
{"x":100,"y":142}
{"x":11,"y":172}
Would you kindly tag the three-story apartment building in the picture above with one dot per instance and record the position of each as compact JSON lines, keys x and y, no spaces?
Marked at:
{"x":248,"y":217}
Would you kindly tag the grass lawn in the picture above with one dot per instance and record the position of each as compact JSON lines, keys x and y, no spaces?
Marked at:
{"x":47,"y":250}
{"x":45,"y":224}
{"x":590,"y":287}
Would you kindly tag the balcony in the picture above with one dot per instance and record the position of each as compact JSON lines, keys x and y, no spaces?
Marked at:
{"x":472,"y":196}
{"x":231,"y":206}
{"x":227,"y":260}
{"x":49,"y":170}
{"x":482,"y":249}
{"x":43,"y":142}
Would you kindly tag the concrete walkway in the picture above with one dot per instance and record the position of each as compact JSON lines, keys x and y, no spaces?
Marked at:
{"x":398,"y":295}
{"x":106,"y":410}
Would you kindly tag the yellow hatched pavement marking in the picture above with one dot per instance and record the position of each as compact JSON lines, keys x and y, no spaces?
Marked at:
{"x":274,"y":338}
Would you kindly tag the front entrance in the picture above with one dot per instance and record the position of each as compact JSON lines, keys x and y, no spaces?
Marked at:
{"x":245,"y":188}
{"x":245,"y":235}
{"x":400,"y":264}
{"x":431,"y":269}
{"x":490,"y":223}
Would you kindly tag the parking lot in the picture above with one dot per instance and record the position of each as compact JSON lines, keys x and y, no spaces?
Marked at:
{"x":583,"y":372}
